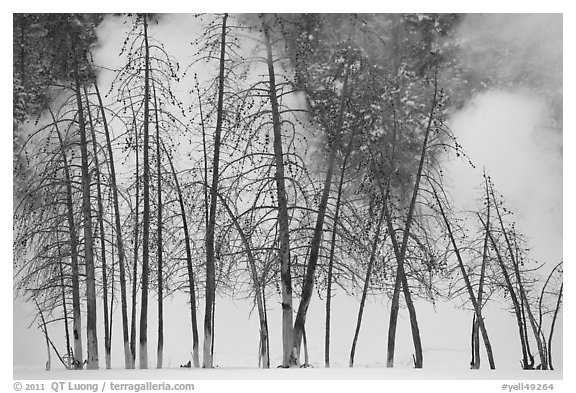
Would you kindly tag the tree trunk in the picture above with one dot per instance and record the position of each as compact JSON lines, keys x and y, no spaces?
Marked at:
{"x":107,"y":341}
{"x":160,"y":347}
{"x":481,"y":283}
{"x":305,"y":341}
{"x":91,"y":318}
{"x":143,"y":356}
{"x":207,"y":361}
{"x":473,"y":300}
{"x":523,"y":298}
{"x":77,"y":316}
{"x":308,"y":286}
{"x":525,"y":363}
{"x":119,"y":240}
{"x":64,"y":308}
{"x":366,"y":285}
{"x":400,"y":255}
{"x":474,"y":363}
{"x":45,"y":330}
{"x":525,"y":327}
{"x":540,"y":311}
{"x":418,"y":358}
{"x":213,"y":329}
{"x":195,"y":349}
{"x":288,"y":356}
{"x":267,"y":342}
{"x":258,"y":293}
{"x":552,"y":326}
{"x":331,"y":266}
{"x":136,"y":244}
{"x":112,"y":287}
{"x":190,"y":270}
{"x":206,"y":199}
{"x":332,"y":250}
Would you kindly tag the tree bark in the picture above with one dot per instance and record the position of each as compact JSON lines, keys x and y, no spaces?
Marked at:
{"x":77,"y":316}
{"x":258,"y":293}
{"x":207,"y":361}
{"x":91,"y":317}
{"x":143,"y":356}
{"x":552,"y":326}
{"x":400,"y":255}
{"x":288,"y":356}
{"x":331,"y":255}
{"x":366,"y":285}
{"x":64,"y":308}
{"x":45,"y":330}
{"x":305,"y":342}
{"x":190,"y":270}
{"x":525,"y":363}
{"x":136,"y":244}
{"x":473,"y":300}
{"x":474,"y":343}
{"x":523,"y":298}
{"x":107,"y":340}
{"x":160,"y":346}
{"x":307,"y":288}
{"x":118,"y":227}
{"x":482,"y":277}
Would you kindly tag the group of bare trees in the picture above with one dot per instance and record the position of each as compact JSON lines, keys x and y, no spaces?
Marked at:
{"x":311,"y":157}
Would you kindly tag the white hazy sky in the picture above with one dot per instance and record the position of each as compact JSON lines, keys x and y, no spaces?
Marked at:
{"x":526,"y":169}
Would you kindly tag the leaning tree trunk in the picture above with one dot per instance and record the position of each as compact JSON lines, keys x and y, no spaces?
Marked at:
{"x":45,"y":330}
{"x":118,"y":228}
{"x":475,"y":364}
{"x":288,"y":356}
{"x":190,"y":270}
{"x":207,"y":361}
{"x":414,"y":328}
{"x":474,"y":345}
{"x":525,"y":325}
{"x":77,"y":316}
{"x":258,"y":293}
{"x":476,"y":328}
{"x":331,"y":255}
{"x":308,"y":286}
{"x":558,"y":302}
{"x":366,"y":285}
{"x":91,"y":314}
{"x":525,"y":363}
{"x":523,"y":298}
{"x":477,"y":307}
{"x":482,"y":279}
{"x":64,"y":308}
{"x":107,"y":329}
{"x":400,"y":253}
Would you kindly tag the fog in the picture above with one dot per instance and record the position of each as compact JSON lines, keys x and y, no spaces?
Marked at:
{"x":514,"y":131}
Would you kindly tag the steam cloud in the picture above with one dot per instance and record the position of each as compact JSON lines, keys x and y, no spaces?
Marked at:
{"x":515,"y":130}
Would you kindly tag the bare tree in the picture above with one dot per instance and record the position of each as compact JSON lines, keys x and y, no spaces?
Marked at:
{"x":289,"y":358}
{"x":91,"y":323}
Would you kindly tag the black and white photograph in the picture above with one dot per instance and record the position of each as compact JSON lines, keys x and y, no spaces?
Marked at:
{"x":372,"y":196}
